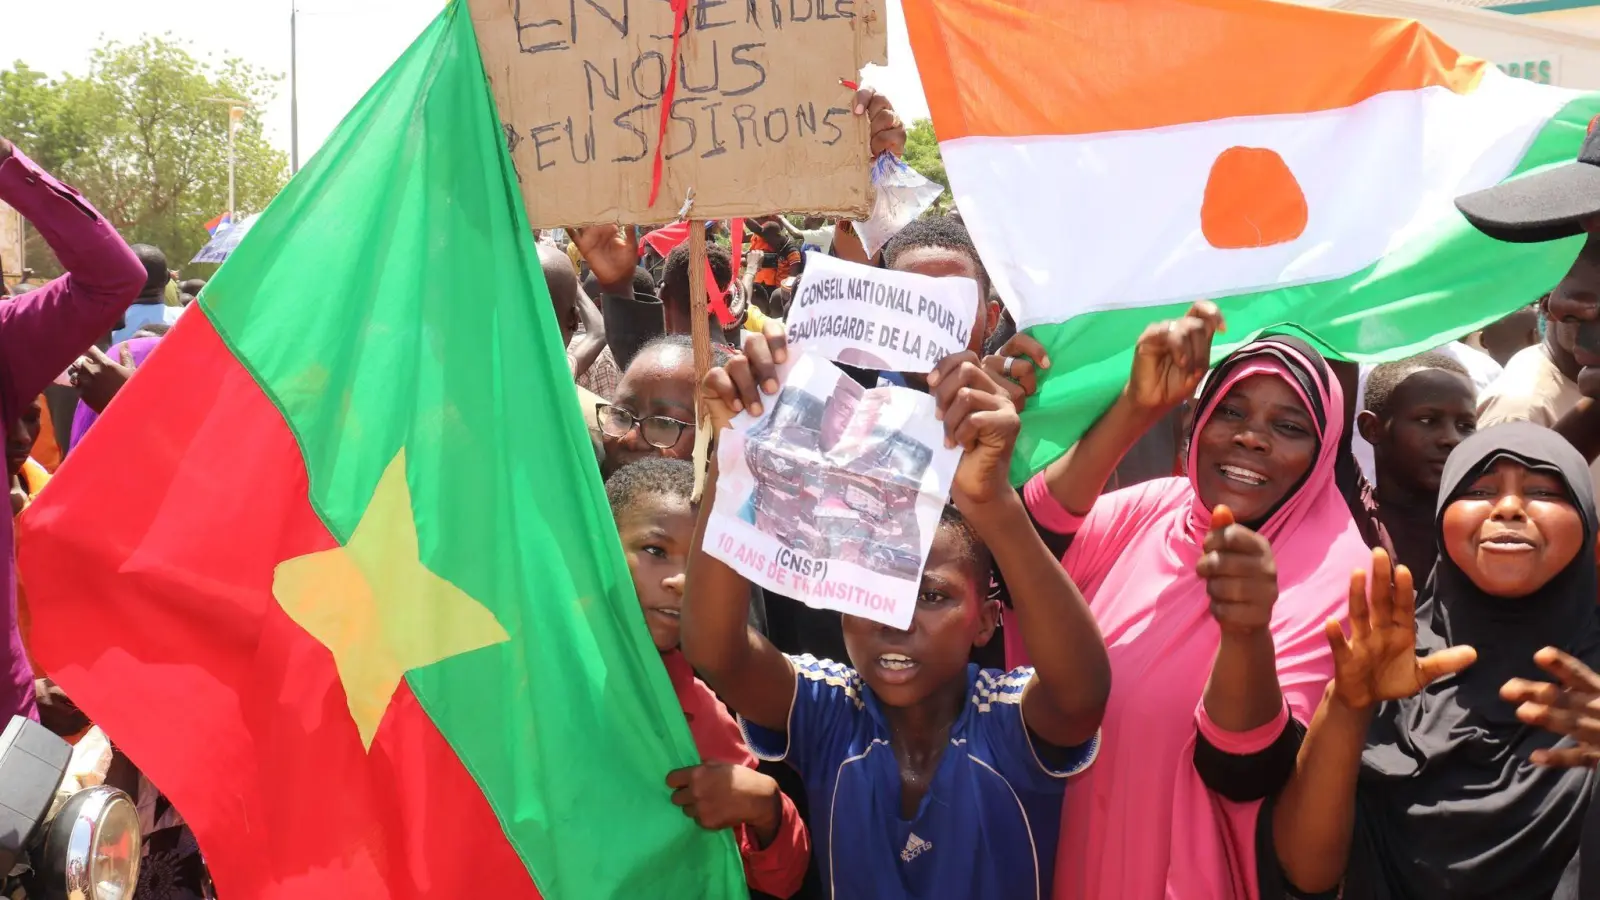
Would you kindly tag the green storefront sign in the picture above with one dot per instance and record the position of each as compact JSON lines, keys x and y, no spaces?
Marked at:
{"x":1539,"y":70}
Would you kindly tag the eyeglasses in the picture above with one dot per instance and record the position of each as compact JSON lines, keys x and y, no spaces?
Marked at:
{"x":660,"y":432}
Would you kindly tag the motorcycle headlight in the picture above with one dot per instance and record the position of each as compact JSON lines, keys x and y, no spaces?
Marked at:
{"x":91,"y":848}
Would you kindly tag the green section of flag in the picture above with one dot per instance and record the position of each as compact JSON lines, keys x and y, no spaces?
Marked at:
{"x":1439,"y":286}
{"x":392,"y":297}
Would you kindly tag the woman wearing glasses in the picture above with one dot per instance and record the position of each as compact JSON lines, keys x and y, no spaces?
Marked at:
{"x":653,"y":414}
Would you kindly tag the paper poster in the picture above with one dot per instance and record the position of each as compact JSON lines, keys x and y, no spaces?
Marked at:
{"x":880,"y":319}
{"x":832,"y":495}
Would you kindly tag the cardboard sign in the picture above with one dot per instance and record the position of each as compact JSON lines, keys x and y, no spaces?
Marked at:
{"x":758,"y":124}
{"x":879,"y":319}
{"x":832,"y":495}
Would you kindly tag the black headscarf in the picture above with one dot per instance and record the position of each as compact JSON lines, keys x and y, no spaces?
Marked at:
{"x":1448,"y":804}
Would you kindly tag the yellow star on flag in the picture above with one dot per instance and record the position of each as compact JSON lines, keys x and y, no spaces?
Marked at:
{"x":378,"y":608}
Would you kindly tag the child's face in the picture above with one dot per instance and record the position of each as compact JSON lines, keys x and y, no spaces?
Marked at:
{"x":656,"y":533}
{"x":906,"y":667}
{"x":1433,"y":411}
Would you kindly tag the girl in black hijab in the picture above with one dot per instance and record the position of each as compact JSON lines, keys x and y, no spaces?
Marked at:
{"x":1417,"y":780}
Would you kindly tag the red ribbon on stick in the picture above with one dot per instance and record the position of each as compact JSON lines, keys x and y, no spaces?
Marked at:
{"x":680,"y":24}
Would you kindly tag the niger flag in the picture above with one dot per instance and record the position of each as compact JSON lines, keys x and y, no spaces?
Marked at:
{"x":336,"y":570}
{"x":1117,"y":160}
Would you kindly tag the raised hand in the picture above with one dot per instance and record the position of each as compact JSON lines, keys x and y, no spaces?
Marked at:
{"x":1379,"y":661}
{"x":979,"y":418}
{"x":888,"y":129}
{"x":612,"y":253}
{"x":728,"y":390}
{"x":1172,"y":357}
{"x":588,"y":349}
{"x":1571,"y":708}
{"x":1016,"y":367}
{"x":1240,"y":573}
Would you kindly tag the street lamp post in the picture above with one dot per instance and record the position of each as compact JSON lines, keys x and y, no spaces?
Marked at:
{"x":234,"y":115}
{"x":294,"y":93}
{"x":236,"y":110}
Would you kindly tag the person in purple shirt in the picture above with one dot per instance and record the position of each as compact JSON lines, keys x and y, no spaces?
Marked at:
{"x":41,"y":333}
{"x":98,"y":376}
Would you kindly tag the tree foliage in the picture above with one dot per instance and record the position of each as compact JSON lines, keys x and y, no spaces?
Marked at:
{"x":922,"y":154}
{"x":140,"y":137}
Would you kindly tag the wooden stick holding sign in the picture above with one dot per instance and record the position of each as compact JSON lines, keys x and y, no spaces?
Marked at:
{"x":700,"y":334}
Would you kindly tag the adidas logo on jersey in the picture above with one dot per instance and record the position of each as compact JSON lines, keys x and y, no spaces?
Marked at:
{"x":915,"y":847}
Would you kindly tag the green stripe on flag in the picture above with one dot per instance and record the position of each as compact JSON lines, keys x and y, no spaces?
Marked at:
{"x":1442,"y":284}
{"x":392,"y":297}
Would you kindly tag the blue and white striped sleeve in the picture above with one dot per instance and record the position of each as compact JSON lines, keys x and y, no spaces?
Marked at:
{"x":827,"y":702}
{"x":1018,"y":755}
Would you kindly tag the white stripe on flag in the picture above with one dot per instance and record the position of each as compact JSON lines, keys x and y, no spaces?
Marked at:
{"x":1112,"y":221}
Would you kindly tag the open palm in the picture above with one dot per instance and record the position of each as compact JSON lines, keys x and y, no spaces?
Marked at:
{"x":1379,"y":661}
{"x":612,"y":253}
{"x":1569,"y":706}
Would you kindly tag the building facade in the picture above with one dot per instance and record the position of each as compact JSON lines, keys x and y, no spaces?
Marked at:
{"x":1575,"y":13}
{"x":1549,"y":41}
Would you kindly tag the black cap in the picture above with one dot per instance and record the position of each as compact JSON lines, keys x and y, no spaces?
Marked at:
{"x":1545,"y":206}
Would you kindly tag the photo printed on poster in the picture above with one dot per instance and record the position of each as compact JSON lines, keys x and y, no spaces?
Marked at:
{"x":833,"y":493}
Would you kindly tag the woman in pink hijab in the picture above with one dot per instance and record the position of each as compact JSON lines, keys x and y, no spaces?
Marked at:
{"x":1214,"y":671}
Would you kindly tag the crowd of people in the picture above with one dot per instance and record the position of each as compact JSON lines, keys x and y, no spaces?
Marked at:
{"x":1280,"y":627}
{"x":68,"y":346}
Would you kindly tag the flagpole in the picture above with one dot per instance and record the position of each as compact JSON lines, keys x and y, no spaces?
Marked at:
{"x":294,"y":92}
{"x":700,"y":340}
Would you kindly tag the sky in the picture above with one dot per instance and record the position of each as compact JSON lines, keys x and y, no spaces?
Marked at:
{"x":344,"y":46}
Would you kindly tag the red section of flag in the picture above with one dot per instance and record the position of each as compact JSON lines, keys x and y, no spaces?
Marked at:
{"x":666,"y":238}
{"x":149,"y":573}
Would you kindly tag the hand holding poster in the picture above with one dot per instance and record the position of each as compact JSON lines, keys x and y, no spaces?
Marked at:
{"x":878,"y":318}
{"x":833,"y":494}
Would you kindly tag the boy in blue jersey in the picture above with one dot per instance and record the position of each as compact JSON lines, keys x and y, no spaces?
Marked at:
{"x":927,"y":777}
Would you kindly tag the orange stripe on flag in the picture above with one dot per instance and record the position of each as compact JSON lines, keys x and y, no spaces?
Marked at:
{"x":1018,"y":68}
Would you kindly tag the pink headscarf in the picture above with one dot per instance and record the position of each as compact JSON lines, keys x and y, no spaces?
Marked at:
{"x":1140,"y":825}
{"x":1281,"y":359}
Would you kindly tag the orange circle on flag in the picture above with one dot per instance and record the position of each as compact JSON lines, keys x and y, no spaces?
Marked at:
{"x":1251,"y":200}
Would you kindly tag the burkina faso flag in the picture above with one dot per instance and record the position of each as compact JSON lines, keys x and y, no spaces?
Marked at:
{"x":336,"y":570}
